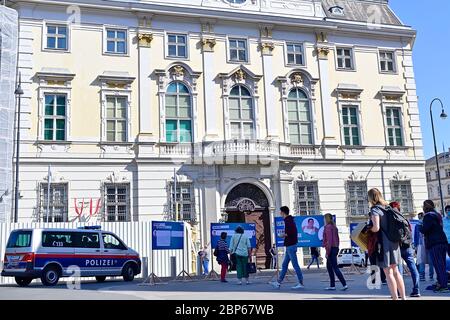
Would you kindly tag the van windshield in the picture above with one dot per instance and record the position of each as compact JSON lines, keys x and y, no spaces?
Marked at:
{"x":19,"y":239}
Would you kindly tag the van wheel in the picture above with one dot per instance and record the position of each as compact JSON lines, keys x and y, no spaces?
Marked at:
{"x":128,"y":273}
{"x":100,"y":278}
{"x":23,"y":282}
{"x":50,"y":276}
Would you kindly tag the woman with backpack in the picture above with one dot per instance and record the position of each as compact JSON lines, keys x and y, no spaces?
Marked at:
{"x":241,"y":248}
{"x":390,"y":255}
{"x":221,"y":252}
{"x":436,"y":243}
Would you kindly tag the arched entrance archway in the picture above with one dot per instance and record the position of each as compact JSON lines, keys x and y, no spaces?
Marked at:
{"x":247,"y":203}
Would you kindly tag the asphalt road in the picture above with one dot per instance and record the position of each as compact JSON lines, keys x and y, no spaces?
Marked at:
{"x":315,"y":282}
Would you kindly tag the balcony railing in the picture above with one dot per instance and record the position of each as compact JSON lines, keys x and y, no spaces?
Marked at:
{"x":231,"y":148}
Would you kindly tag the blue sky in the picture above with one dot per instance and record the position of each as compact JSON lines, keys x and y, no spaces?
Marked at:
{"x":431,"y":63}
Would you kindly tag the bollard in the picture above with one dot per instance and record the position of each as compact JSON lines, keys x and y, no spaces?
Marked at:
{"x":173,"y":267}
{"x":144,"y":267}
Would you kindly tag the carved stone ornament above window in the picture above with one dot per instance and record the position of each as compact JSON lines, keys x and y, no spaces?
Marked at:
{"x":117,"y":177}
{"x":297,"y":79}
{"x":177,"y":71}
{"x":400,"y":177}
{"x":305,"y":176}
{"x":322,"y":52}
{"x":355,"y":176}
{"x":349,"y":91}
{"x":240,"y":75}
{"x":55,"y":77}
{"x":115,"y":80}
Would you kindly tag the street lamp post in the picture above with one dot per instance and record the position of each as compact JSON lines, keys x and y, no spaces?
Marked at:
{"x":443,"y":116}
{"x":18,"y":92}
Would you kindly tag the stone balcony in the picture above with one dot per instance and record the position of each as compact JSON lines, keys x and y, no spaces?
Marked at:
{"x":216,"y":150}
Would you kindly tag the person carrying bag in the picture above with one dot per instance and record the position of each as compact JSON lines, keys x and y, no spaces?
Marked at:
{"x":241,"y":250}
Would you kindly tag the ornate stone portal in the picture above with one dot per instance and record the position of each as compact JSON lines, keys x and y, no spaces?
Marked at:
{"x":247,"y":203}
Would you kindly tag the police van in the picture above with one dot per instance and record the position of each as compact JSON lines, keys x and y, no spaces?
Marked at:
{"x":50,"y":254}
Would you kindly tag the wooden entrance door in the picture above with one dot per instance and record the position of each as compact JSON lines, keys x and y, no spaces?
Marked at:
{"x":262,"y":222}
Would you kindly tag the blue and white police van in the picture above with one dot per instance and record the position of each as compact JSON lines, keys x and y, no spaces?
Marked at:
{"x":50,"y":254}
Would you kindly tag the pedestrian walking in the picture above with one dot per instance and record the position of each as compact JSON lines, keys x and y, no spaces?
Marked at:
{"x":290,"y":242}
{"x":390,"y":255}
{"x":422,"y":254}
{"x":408,"y":256}
{"x":273,"y":254}
{"x":331,"y":244}
{"x":436,"y":243}
{"x":204,"y":256}
{"x":314,"y":257}
{"x":221,"y":252}
{"x":241,"y":248}
{"x":447,"y":227}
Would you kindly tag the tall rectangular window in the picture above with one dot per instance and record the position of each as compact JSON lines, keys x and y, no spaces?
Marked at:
{"x":401,"y":192}
{"x":447,"y":173}
{"x":387,"y":61}
{"x":54,"y":206}
{"x":55,"y":114}
{"x":238,"y":50}
{"x":184,"y":201}
{"x":350,"y":126}
{"x":307,"y":198}
{"x":116,"y":119}
{"x":116,"y":41}
{"x":57,"y":37}
{"x":117,"y":204}
{"x":394,"y":127}
{"x":177,"y":45}
{"x":428,"y":176}
{"x":448,"y":189}
{"x":295,"y":53}
{"x":345,"y":58}
{"x":357,"y":201}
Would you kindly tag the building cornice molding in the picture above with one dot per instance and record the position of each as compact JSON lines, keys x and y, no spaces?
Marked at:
{"x":239,"y":15}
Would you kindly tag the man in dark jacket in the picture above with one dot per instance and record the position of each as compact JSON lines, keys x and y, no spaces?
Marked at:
{"x":290,"y":242}
{"x":436,"y":242}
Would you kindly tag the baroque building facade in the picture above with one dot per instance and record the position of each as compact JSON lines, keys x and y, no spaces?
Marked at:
{"x":433,"y":182}
{"x":237,"y":107}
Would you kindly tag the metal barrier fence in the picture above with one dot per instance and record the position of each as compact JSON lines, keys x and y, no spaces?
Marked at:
{"x":137,"y":235}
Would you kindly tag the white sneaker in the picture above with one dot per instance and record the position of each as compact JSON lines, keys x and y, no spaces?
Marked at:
{"x":298,"y":286}
{"x":247,"y":283}
{"x":330,"y":288}
{"x":345,"y":288}
{"x":239,"y":283}
{"x":275,"y":284}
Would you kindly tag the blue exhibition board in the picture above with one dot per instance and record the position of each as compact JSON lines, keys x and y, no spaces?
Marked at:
{"x":352,"y":227}
{"x":167,"y":235}
{"x":309,"y":228}
{"x":229,"y":228}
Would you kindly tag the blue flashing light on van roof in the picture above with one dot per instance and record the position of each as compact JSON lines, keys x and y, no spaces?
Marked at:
{"x":91,"y":228}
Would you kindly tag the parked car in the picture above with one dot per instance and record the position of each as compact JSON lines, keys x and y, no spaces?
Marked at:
{"x":347,"y":257}
{"x":50,"y":254}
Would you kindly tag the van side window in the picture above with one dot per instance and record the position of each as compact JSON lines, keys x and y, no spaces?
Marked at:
{"x":111,"y":242}
{"x":19,"y":239}
{"x":55,"y":239}
{"x":90,"y":240}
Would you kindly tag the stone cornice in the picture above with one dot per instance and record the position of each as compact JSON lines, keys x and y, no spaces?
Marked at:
{"x":236,"y":14}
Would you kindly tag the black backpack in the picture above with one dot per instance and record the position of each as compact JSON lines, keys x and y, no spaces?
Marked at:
{"x":398,"y":229}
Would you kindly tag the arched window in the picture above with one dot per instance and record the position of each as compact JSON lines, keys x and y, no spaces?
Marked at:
{"x":299,"y":115}
{"x":178,"y":113}
{"x":241,"y":113}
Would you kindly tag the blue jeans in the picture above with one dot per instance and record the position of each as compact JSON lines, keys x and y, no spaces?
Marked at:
{"x":205,"y":266}
{"x":333,"y":268}
{"x":291,"y":256}
{"x":316,"y":259}
{"x":408,"y":256}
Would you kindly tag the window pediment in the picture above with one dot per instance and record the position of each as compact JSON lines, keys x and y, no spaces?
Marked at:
{"x":240,"y":75}
{"x":177,"y":72}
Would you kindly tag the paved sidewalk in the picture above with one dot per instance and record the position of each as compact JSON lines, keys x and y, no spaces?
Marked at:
{"x":259,"y":289}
